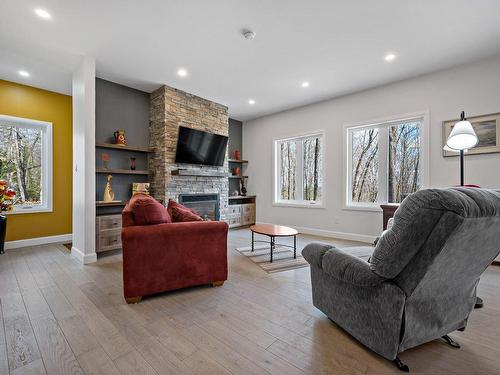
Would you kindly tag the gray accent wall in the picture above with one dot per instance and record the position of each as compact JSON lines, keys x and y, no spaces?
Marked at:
{"x":120,"y":107}
{"x":235,"y":143}
{"x":235,"y":137}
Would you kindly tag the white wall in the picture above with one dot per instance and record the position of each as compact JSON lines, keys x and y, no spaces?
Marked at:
{"x":84,"y":162}
{"x":474,"y":88}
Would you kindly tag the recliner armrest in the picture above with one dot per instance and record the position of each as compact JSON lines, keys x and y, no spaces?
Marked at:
{"x":341,"y":265}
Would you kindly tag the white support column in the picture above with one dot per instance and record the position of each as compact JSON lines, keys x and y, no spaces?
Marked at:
{"x":84,"y":162}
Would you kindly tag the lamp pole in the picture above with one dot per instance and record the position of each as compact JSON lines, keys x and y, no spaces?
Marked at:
{"x":461,"y":167}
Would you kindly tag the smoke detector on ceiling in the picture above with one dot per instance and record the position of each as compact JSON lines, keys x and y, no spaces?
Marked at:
{"x":248,"y":34}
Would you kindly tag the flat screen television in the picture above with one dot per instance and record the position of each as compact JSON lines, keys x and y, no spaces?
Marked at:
{"x":199,"y":147}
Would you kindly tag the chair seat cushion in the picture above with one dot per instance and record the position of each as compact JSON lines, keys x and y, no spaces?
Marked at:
{"x":147,"y":211}
{"x":180,"y":213}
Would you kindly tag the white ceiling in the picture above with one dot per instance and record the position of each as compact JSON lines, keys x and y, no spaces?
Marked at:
{"x":336,"y":45}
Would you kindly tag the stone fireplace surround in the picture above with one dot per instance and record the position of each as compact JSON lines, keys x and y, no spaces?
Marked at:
{"x":169,"y":109}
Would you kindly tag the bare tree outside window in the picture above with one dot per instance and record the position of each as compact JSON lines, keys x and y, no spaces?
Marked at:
{"x":365,"y":165}
{"x":20,"y":162}
{"x":300,"y":170}
{"x":312,"y":165}
{"x":288,"y":170}
{"x":404,"y":161}
{"x":385,"y":161}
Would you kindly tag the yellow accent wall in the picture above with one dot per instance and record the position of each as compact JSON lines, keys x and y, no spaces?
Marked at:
{"x":33,"y":103}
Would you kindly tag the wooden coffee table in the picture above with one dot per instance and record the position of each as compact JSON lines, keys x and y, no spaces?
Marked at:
{"x":273,"y":231}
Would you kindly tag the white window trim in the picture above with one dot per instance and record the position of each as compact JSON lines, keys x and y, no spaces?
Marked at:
{"x":47,"y":181}
{"x":297,"y":203}
{"x":424,"y":161}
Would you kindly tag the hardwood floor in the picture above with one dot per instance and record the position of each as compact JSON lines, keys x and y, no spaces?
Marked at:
{"x":58,"y":317}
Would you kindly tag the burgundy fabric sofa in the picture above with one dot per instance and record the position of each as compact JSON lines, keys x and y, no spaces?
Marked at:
{"x":160,"y":255}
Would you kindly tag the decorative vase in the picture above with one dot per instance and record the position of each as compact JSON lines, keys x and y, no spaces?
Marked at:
{"x":3,"y":231}
{"x":105,"y":160}
{"x":133,"y":164}
{"x":120,"y":138}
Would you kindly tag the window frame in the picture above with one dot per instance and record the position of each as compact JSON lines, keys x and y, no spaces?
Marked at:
{"x":382,"y":124}
{"x":276,"y":169}
{"x":47,"y":157}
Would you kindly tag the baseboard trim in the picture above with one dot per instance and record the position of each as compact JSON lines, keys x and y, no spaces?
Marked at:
{"x":333,"y":234}
{"x":82,"y":257}
{"x":38,"y":241}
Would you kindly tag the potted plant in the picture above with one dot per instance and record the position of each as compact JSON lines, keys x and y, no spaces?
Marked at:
{"x":6,"y":205}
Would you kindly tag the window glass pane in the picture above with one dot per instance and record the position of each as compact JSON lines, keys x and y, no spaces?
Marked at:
{"x":404,"y":158}
{"x":20,"y":162}
{"x":364,"y":173}
{"x":288,"y":170}
{"x":312,"y":168}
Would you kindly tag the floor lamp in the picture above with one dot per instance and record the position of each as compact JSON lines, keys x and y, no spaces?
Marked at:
{"x":462,"y":138}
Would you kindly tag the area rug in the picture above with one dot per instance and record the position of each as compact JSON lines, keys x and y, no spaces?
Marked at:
{"x":283,"y":256}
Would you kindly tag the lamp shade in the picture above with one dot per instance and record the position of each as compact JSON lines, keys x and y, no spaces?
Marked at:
{"x":462,"y":136}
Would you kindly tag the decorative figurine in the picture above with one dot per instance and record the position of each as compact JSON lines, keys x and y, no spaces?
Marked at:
{"x":120,"y":138}
{"x":243,"y":188}
{"x":105,"y":160}
{"x":237,"y":155}
{"x":109,"y":195}
{"x":236,"y":171}
{"x":133,"y":163}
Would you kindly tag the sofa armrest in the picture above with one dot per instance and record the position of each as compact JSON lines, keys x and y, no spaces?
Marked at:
{"x":340,"y":265}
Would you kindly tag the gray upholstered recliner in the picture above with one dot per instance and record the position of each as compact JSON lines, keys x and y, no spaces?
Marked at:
{"x":420,"y":283}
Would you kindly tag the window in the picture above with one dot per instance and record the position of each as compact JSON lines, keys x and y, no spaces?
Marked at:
{"x":299,"y":170}
{"x":26,"y":162}
{"x":385,"y":161}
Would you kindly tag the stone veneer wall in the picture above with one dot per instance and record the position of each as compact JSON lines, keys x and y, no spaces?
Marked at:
{"x":171,"y":108}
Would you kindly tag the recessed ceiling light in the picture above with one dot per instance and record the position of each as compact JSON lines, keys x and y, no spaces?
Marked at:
{"x":181,"y":72}
{"x":390,"y":57}
{"x":251,"y":102}
{"x":23,"y":73}
{"x":42,"y":13}
{"x":305,"y":84}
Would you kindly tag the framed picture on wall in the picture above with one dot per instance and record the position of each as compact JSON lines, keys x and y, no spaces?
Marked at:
{"x":487,"y":128}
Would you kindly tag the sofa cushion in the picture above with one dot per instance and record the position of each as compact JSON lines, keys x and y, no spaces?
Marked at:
{"x":147,"y":211}
{"x":180,"y":213}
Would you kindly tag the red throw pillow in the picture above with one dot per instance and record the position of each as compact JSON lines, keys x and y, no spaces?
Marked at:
{"x":147,"y":211}
{"x":180,"y":213}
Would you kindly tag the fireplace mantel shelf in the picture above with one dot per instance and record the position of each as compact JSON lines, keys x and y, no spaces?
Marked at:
{"x":198,"y":173}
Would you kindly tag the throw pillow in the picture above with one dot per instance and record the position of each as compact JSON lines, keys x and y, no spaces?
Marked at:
{"x":180,"y":213}
{"x":147,"y":211}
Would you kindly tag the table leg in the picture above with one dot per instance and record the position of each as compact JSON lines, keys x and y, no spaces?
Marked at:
{"x":252,"y":240}
{"x":295,"y":247}
{"x":272,"y":248}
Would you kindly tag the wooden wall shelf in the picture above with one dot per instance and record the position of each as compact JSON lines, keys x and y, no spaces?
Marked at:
{"x":240,"y":177}
{"x":121,"y":171}
{"x":124,"y":148}
{"x":243,"y":197}
{"x":237,"y":161}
